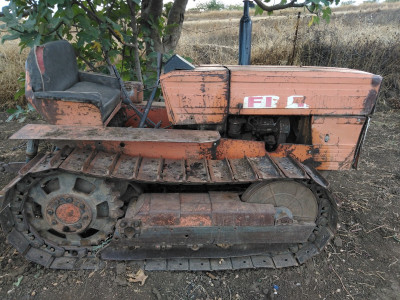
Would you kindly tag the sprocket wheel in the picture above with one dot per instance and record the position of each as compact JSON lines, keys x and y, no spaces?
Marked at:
{"x":73,"y":210}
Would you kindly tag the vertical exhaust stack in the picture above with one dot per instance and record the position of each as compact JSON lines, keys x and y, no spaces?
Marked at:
{"x":245,"y":34}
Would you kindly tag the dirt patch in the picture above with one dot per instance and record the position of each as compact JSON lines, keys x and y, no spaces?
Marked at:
{"x":363,"y":262}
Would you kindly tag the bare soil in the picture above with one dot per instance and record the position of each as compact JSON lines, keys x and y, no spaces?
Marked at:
{"x":363,"y":262}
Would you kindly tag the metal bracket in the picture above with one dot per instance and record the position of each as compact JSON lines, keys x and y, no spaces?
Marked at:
{"x":11,"y":167}
{"x":130,"y":228}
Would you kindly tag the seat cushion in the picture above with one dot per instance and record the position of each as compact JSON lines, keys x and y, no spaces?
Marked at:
{"x":52,"y":66}
{"x":109,"y":97}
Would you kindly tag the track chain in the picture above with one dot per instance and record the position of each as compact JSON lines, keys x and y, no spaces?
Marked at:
{"x":27,"y":241}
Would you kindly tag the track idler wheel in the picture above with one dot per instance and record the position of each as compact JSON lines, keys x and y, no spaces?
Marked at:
{"x":292,"y":199}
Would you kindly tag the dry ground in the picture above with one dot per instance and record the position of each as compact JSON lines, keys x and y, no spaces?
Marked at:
{"x":364,"y":260}
{"x":362,"y":263}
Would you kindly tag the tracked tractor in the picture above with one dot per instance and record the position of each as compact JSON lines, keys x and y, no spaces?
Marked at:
{"x":221,"y":175}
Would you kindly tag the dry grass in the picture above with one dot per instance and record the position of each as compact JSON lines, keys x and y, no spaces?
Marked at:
{"x":12,"y":64}
{"x":366,"y":37}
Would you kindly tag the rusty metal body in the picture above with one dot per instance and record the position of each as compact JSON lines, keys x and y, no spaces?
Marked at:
{"x":232,"y":175}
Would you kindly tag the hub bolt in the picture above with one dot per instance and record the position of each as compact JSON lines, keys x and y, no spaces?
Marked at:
{"x":78,"y":226}
{"x":50,"y":212}
{"x":69,"y":200}
{"x":54,"y":222}
{"x":82,"y":206}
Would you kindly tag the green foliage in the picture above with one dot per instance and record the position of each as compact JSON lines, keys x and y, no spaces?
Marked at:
{"x":19,"y":113}
{"x":350,"y":2}
{"x":210,"y":5}
{"x":95,"y":28}
{"x":320,"y":8}
{"x":21,"y":86}
{"x":234,"y":7}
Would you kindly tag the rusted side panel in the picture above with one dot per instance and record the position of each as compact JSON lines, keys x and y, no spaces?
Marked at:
{"x":158,"y":112}
{"x":196,"y":219}
{"x":273,"y":90}
{"x":198,"y":96}
{"x":189,"y":210}
{"x":67,"y":112}
{"x":229,"y":148}
{"x":334,"y":143}
{"x":336,"y":138}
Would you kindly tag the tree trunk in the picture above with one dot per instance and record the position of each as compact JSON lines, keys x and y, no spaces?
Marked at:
{"x":133,"y":25}
{"x":151,"y":11}
{"x":175,"y":23}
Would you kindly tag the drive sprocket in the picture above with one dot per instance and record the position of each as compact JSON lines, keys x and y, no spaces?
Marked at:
{"x":72,"y":210}
{"x":61,"y":219}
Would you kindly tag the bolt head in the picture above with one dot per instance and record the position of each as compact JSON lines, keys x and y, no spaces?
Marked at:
{"x":50,"y":212}
{"x":69,"y":200}
{"x":54,"y":222}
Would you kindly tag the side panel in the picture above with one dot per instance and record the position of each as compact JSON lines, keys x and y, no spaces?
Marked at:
{"x":334,"y":143}
{"x":157,"y":113}
{"x":336,"y":138}
{"x":198,"y":96}
{"x":269,"y":90}
{"x":60,"y":112}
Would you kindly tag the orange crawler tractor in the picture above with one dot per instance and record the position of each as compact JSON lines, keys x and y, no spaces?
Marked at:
{"x":223,"y":177}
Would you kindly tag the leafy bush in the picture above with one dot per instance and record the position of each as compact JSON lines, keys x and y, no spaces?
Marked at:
{"x":210,"y":5}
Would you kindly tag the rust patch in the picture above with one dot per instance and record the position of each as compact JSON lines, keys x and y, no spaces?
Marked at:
{"x":195,"y":220}
{"x":68,"y":213}
{"x":311,"y":162}
{"x":370,"y":101}
{"x":376,"y":80}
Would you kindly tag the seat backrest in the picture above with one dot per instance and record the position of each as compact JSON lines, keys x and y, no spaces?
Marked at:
{"x":52,"y":66}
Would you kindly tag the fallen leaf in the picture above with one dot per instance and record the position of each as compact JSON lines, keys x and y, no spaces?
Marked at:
{"x":18,"y":282}
{"x":213,"y":277}
{"x":91,"y":274}
{"x":138,"y":277}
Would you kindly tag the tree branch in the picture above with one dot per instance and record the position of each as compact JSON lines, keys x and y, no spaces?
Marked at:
{"x":93,"y":16}
{"x":292,"y":3}
{"x":134,"y":28}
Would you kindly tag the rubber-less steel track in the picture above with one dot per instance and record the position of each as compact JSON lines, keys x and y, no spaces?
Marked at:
{"x":116,"y":167}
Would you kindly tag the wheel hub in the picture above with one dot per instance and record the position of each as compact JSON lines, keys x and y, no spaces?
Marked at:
{"x":68,"y":213}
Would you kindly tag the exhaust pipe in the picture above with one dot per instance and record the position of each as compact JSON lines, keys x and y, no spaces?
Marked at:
{"x":245,"y":34}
